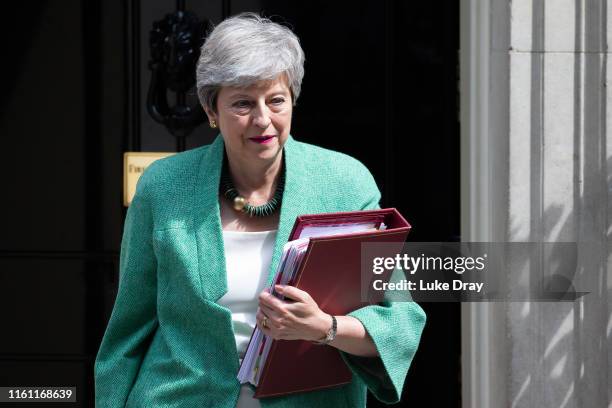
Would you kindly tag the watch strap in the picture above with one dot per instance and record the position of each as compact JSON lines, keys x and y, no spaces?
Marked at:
{"x":331,"y":333}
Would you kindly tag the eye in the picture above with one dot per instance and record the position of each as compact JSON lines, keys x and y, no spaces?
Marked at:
{"x":241,"y":104}
{"x":278,"y":100}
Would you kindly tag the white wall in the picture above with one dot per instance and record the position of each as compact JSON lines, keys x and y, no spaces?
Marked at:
{"x":536,"y":167}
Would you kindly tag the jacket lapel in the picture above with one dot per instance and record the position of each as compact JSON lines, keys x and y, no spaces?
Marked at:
{"x":294,"y":201}
{"x":207,"y":223}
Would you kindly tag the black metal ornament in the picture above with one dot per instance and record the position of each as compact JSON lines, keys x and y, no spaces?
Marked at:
{"x":175,"y":48}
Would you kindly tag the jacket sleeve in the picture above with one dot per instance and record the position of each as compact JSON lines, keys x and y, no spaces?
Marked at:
{"x":134,"y":318}
{"x":395,"y":328}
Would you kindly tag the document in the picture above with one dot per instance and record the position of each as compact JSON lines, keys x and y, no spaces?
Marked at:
{"x":333,"y":237}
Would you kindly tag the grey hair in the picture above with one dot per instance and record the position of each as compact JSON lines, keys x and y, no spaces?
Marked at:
{"x":245,"y":49}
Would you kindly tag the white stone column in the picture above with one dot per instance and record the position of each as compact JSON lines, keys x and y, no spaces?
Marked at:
{"x":537,"y":166}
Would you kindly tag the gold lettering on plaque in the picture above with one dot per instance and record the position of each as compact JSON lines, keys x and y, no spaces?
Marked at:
{"x":134,"y":164}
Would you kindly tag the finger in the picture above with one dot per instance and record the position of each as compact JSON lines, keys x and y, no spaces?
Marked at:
{"x":259,"y":323}
{"x":259,"y":317}
{"x":288,"y":312}
{"x":274,"y":320}
{"x":271,"y":301}
{"x":270,"y":325}
{"x":297,"y":309}
{"x":293,"y":293}
{"x":273,"y":331}
{"x":271,"y":313}
{"x":264,"y":330}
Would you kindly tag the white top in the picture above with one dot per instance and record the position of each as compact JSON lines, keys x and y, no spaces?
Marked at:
{"x":247,"y":261}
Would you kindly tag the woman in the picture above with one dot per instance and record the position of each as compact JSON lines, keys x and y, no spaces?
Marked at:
{"x":204,"y":234}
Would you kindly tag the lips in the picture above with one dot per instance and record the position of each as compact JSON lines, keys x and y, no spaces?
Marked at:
{"x":262,"y":139}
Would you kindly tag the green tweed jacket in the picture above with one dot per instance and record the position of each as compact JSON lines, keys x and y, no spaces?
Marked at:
{"x":169,"y":344}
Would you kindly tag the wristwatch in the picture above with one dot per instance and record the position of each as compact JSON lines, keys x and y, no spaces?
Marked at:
{"x":331,"y":333}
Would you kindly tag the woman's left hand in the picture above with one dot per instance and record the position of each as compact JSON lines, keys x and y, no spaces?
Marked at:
{"x":298,"y":320}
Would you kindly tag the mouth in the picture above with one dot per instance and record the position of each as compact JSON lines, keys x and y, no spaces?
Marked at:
{"x":262,"y":139}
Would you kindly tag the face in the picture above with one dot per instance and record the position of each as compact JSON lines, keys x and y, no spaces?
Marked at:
{"x":254,"y":121}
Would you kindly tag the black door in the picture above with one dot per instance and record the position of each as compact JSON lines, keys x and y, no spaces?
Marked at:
{"x":380,"y":85}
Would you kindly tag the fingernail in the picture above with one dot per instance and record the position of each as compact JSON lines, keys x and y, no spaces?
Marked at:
{"x":279,"y":288}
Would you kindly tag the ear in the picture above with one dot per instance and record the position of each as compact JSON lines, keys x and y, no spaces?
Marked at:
{"x":211,"y":115}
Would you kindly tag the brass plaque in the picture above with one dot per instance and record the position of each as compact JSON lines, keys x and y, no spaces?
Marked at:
{"x":134,"y":164}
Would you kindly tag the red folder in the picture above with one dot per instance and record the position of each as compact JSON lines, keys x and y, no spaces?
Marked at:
{"x":331,"y":274}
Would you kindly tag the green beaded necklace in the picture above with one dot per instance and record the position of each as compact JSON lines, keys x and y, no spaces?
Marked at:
{"x":241,"y":204}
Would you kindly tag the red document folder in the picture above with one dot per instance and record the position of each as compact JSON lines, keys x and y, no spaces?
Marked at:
{"x":331,"y":274}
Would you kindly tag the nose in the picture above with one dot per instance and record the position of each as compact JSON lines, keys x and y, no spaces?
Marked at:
{"x":261,"y":116}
